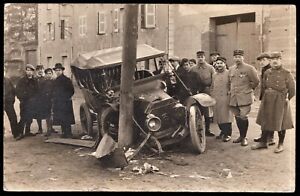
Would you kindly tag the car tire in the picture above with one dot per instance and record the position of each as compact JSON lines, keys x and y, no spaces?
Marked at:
{"x":86,"y":120}
{"x":109,"y":122}
{"x":197,"y":129}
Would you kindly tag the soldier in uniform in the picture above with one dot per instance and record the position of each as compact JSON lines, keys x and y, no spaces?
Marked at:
{"x":213,"y":58}
{"x":219,"y":90}
{"x":243,"y":80}
{"x":63,"y":91}
{"x":274,"y":113}
{"x":9,"y":100}
{"x":204,"y":73}
{"x":26,"y":90}
{"x":264,"y":61}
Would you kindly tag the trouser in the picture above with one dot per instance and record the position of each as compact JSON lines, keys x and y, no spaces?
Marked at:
{"x":25,"y":119}
{"x":226,"y":128}
{"x":207,"y":119}
{"x":12,"y":117}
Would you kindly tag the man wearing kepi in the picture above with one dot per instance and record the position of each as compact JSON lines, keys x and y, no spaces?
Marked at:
{"x":264,"y":61}
{"x":204,"y":72}
{"x":243,"y":80}
{"x":63,"y":91}
{"x":274,"y":113}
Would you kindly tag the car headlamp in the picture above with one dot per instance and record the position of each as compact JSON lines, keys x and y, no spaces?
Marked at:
{"x":153,"y":122}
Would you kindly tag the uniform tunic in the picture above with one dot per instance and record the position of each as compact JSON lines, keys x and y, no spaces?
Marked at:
{"x":63,"y":91}
{"x":274,"y":112}
{"x":263,"y":70}
{"x":203,"y":74}
{"x":243,"y":80}
{"x":219,"y":91}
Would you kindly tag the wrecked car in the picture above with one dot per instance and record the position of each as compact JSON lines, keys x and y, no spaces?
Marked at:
{"x":158,"y":116}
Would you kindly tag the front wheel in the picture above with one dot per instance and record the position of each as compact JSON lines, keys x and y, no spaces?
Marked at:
{"x":197,"y":129}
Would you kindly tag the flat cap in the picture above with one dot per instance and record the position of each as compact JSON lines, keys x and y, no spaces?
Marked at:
{"x":214,"y":53}
{"x":200,"y":52}
{"x":275,"y":55}
{"x":220,"y":58}
{"x":29,"y":66}
{"x":48,"y":70}
{"x":39,"y":67}
{"x":238,"y":52}
{"x":263,"y":55}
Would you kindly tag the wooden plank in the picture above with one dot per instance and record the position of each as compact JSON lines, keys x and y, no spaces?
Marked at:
{"x":74,"y":142}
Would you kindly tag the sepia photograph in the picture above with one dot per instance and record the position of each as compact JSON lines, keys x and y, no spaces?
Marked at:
{"x":149,"y":97}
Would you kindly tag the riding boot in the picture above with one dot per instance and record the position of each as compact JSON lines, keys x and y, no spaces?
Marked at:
{"x":281,"y":135}
{"x":239,"y":125}
{"x":271,"y":139}
{"x":207,"y":127}
{"x":245,"y":124}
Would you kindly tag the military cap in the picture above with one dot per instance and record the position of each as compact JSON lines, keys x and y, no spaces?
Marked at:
{"x":47,"y":70}
{"x":214,"y":53}
{"x":275,"y":55}
{"x":220,"y":58}
{"x":263,"y":55}
{"x":238,"y":52}
{"x":39,"y":67}
{"x":58,"y":66}
{"x":200,"y":52}
{"x":29,"y":66}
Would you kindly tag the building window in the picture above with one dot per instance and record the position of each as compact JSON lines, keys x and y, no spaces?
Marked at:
{"x":148,"y":16}
{"x":116,"y":20}
{"x":101,"y":23}
{"x":49,"y":61}
{"x":50,"y":31}
{"x":62,"y":29}
{"x":82,"y":25}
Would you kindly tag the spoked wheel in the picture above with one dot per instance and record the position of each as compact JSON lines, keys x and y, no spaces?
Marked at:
{"x":86,"y":119}
{"x":197,"y":129}
{"x":109,"y":123}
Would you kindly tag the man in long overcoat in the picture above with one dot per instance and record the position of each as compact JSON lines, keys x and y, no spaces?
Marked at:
{"x":264,"y":61}
{"x":274,"y":113}
{"x":26,"y":90}
{"x":243,"y":80}
{"x":219,"y":90}
{"x":63,"y":91}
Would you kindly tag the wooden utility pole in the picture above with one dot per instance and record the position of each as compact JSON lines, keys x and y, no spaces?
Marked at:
{"x":127,"y":73}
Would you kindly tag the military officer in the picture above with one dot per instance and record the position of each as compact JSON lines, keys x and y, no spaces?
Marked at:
{"x":243,"y":80}
{"x":264,"y":61}
{"x":274,"y":113}
{"x":204,"y":72}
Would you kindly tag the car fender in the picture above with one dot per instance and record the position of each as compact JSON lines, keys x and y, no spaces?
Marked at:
{"x":201,"y":98}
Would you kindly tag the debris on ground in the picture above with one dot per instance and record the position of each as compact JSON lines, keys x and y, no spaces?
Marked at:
{"x":226,"y":173}
{"x":146,"y":168}
{"x":77,"y":149}
{"x":129,"y":152}
{"x":198,"y":176}
{"x":49,"y":169}
{"x":53,"y":179}
{"x":86,"y":137}
{"x":174,"y":176}
{"x":176,"y":161}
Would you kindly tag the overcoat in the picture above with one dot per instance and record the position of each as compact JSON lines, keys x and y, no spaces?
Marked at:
{"x":44,"y":98}
{"x":203,"y":73}
{"x":274,"y":113}
{"x":63,"y":91}
{"x":219,"y":91}
{"x":26,"y":90}
{"x":243,"y":80}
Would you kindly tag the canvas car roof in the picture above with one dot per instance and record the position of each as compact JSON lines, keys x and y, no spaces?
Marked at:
{"x":113,"y":56}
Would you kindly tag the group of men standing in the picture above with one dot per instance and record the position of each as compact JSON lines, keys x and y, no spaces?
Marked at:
{"x":233,"y":89}
{"x":41,"y":97}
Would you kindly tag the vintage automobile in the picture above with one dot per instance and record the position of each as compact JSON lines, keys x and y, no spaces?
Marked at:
{"x":157,"y":115}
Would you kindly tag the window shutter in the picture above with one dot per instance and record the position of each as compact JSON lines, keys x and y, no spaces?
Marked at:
{"x":84,"y":25}
{"x":101,"y":22}
{"x":53,"y":31}
{"x":150,"y":16}
{"x":67,"y":28}
{"x":116,"y":20}
{"x":143,"y":21}
{"x":45,"y":33}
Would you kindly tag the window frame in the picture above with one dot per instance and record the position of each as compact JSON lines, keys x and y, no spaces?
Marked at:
{"x":101,"y":31}
{"x":82,"y":26}
{"x":146,"y":14}
{"x":116,"y":19}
